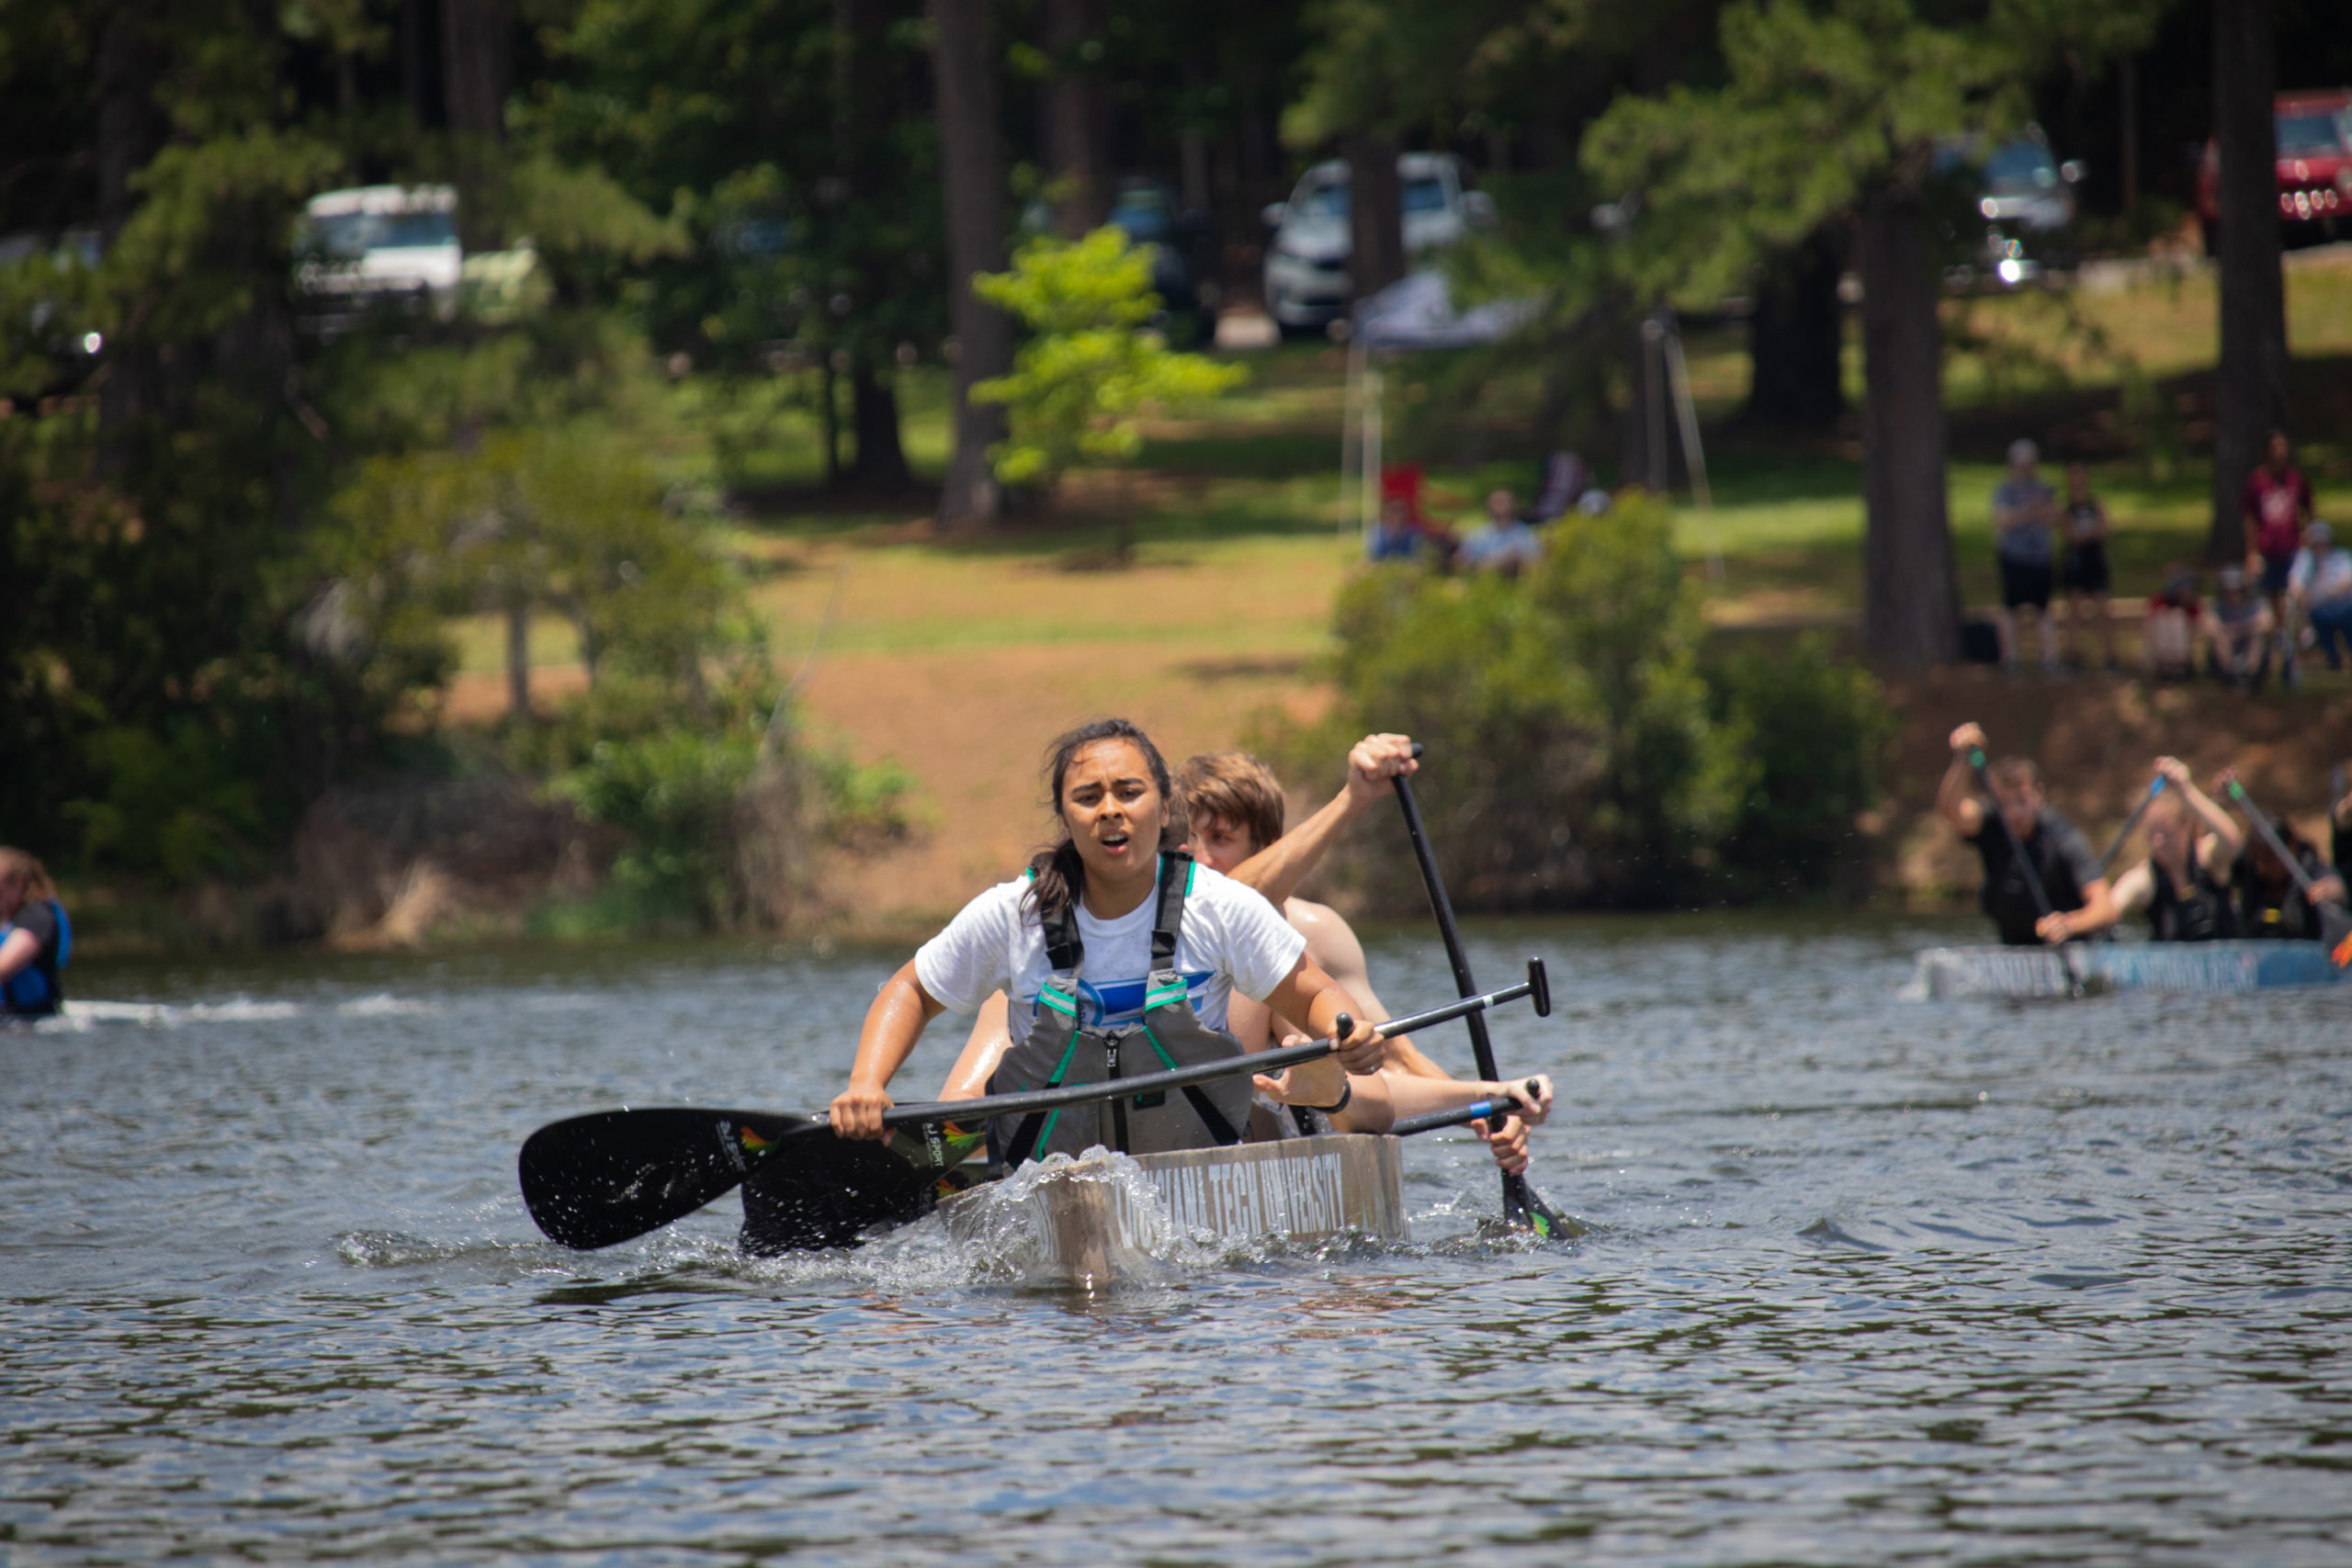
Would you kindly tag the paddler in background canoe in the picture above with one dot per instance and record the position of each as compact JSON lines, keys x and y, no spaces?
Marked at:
{"x":36,"y":939}
{"x":1237,"y":809}
{"x":2270,"y":904}
{"x":2080,"y":901}
{"x":1120,"y":956}
{"x":2184,"y":884}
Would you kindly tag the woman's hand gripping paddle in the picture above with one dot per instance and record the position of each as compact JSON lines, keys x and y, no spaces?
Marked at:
{"x":611,"y":1176}
{"x":1523,"y":1209}
{"x":2025,"y":863}
{"x":2335,"y":921}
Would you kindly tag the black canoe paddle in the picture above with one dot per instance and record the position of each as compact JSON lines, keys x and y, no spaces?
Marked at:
{"x":2335,"y":921}
{"x":1461,"y":1115}
{"x":2025,"y":863}
{"x":2122,"y":834}
{"x":595,"y":1180}
{"x":1523,"y":1209}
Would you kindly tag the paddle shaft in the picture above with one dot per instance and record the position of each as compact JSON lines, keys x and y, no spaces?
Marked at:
{"x":1481,"y":1049}
{"x":2024,"y":863}
{"x":2294,"y":865}
{"x":2156,"y":788}
{"x":1477,"y":1110}
{"x":1200,"y":1072}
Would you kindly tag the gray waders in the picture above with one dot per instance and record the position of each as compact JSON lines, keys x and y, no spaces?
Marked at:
{"x":1058,"y":1050}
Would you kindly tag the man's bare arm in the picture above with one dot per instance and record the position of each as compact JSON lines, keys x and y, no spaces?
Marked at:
{"x":1956,"y":795}
{"x":1277,"y":869}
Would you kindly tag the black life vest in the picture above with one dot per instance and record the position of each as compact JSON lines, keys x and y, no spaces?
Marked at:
{"x":2005,"y":895}
{"x":1058,"y":1049}
{"x":39,"y":988}
{"x":2285,"y":913}
{"x":2200,"y":913}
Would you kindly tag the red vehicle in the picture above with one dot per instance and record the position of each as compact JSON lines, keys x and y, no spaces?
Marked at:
{"x":2314,"y":133}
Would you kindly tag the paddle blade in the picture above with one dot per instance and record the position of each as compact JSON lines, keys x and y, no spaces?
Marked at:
{"x":597,"y":1180}
{"x":818,"y":1190}
{"x":2335,"y":933}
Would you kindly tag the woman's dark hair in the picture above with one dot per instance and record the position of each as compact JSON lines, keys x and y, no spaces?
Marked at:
{"x":1060,"y":875}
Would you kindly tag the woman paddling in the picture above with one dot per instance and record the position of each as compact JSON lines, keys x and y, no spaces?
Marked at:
{"x":2184,"y":884}
{"x":36,"y":939}
{"x":1119,"y":955}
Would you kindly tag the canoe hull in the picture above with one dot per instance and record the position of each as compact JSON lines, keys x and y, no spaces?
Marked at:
{"x":1094,"y":1220}
{"x":1950,"y":972}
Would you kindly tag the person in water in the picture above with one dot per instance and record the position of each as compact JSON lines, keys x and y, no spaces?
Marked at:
{"x":1120,"y":956}
{"x":2080,"y":900}
{"x":2271,"y":903}
{"x":2184,"y":884}
{"x":1237,"y":811}
{"x":36,"y":939}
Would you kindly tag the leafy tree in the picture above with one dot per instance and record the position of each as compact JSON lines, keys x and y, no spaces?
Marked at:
{"x":1090,"y":372}
{"x":1840,"y":109}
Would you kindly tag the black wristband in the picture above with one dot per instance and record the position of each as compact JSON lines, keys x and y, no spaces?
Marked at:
{"x":1347,"y":1092}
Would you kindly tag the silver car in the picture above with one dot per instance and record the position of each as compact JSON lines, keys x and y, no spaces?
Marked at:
{"x":1306,"y":266}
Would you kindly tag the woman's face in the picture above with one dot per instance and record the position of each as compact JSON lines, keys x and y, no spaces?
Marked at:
{"x":1113,"y":809}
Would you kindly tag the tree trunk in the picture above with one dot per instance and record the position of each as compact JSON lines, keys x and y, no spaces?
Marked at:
{"x":518,"y":659}
{"x":1910,"y":593}
{"x":477,"y":62}
{"x":830,"y":408}
{"x":971,"y":169}
{"x":1376,"y":214}
{"x":2250,"y":388}
{"x":1076,"y":119}
{"x":1795,"y":338}
{"x":874,"y":416}
{"x":129,"y":131}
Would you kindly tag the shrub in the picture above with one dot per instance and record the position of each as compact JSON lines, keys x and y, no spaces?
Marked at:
{"x":1816,"y":732}
{"x":1578,"y":751}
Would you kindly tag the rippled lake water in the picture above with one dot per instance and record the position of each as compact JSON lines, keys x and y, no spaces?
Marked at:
{"x":1871,"y":1279}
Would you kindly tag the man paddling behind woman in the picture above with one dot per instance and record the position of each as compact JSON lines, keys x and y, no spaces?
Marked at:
{"x":1238,"y":812}
{"x":1119,"y":959}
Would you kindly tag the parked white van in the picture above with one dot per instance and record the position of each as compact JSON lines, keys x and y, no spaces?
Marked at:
{"x":1307,"y":264}
{"x":380,"y":245}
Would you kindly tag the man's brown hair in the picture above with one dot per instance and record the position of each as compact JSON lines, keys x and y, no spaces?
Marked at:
{"x":1233,"y":787}
{"x":2015,"y":771}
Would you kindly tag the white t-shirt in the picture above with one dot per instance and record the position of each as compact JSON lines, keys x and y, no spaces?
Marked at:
{"x":1231,"y":938}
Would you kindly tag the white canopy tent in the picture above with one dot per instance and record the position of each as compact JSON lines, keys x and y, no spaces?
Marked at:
{"x":1415,"y":313}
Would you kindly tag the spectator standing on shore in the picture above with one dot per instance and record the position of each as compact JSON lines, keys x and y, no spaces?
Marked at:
{"x":2084,"y":569}
{"x":2168,"y":634}
{"x":1504,"y":542}
{"x":2184,"y":884}
{"x":2025,"y":512}
{"x":2274,"y":508}
{"x":2080,"y":901}
{"x":2237,"y":633}
{"x":2319,"y":592}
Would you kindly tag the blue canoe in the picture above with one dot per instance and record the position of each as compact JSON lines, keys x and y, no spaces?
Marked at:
{"x":1945,"y":972}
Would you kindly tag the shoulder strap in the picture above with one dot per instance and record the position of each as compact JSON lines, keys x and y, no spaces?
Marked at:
{"x":1064,"y":950}
{"x":1176,"y":870}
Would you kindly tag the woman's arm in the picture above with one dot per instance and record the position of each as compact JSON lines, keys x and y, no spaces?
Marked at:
{"x":1315,"y":999}
{"x":990,"y":1038}
{"x":2133,"y":890}
{"x":2219,"y":823}
{"x":16,"y":954}
{"x":893,"y":1024}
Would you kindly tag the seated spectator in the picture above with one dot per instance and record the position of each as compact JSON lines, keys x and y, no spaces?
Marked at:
{"x":1396,"y":538}
{"x":2237,"y":633}
{"x":2168,"y":636}
{"x":1505,"y":542}
{"x":2319,"y":592}
{"x":1565,"y":480}
{"x":2083,"y":567}
{"x":2271,"y":903}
